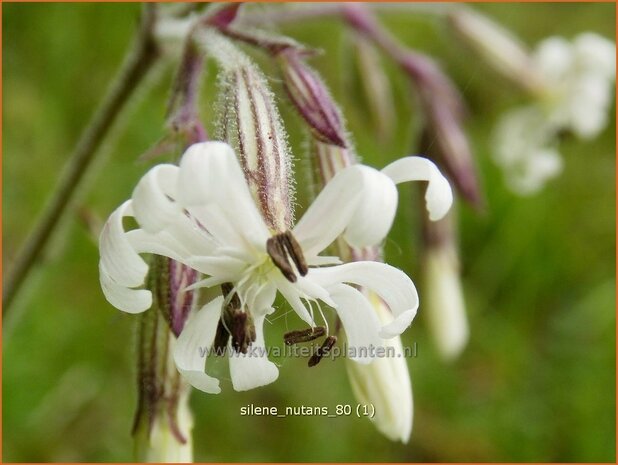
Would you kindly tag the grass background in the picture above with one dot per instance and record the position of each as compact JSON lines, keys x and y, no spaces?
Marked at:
{"x":537,"y":381}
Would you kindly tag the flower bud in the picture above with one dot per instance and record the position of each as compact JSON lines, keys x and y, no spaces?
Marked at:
{"x":385,"y":384}
{"x":165,"y":446}
{"x":497,"y":46}
{"x":250,"y":123}
{"x":311,"y":98}
{"x":443,"y":297}
{"x":376,"y":86}
{"x":183,"y":118}
{"x":163,"y":422}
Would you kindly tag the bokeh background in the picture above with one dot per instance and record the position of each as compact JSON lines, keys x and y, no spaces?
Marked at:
{"x":537,"y":381}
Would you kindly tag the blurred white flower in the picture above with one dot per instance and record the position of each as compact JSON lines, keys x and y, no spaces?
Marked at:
{"x":575,"y":98}
{"x":445,"y":305}
{"x":525,"y":147}
{"x":579,"y":81}
{"x":385,"y":384}
{"x":202,"y":214}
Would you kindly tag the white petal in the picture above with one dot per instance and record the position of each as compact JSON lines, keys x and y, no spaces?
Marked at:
{"x":211,"y":175}
{"x":160,"y":243}
{"x":262,"y":300}
{"x":320,"y":260}
{"x":438,"y":196}
{"x":193,"y":344}
{"x":359,"y":320}
{"x":122,"y":297}
{"x":153,"y":207}
{"x":291,"y":294}
{"x":118,"y":258}
{"x":331,"y":211}
{"x":390,"y":283}
{"x":375,"y":212}
{"x":222,"y":267}
{"x":252,"y":369}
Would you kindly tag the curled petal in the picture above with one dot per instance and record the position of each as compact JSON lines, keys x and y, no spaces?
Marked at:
{"x":438,"y":196}
{"x":193,"y":345}
{"x":153,"y":196}
{"x":330,"y":212}
{"x":124,"y":298}
{"x":359,"y":201}
{"x":391,"y":284}
{"x":253,"y":369}
{"x":359,"y":320}
{"x":119,"y":260}
{"x":375,"y":211}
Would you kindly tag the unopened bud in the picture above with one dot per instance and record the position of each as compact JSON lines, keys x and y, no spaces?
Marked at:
{"x":443,"y":297}
{"x":385,"y":384}
{"x":376,"y":86}
{"x":311,"y":98}
{"x":163,"y":422}
{"x":498,"y":46}
{"x":250,"y":123}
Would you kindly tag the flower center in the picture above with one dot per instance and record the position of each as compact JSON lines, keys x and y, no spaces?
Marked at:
{"x":283,"y":250}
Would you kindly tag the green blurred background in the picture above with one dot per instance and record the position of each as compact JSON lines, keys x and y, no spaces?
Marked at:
{"x":537,"y":381}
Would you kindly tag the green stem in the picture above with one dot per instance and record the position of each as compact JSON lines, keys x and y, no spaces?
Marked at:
{"x":139,"y":60}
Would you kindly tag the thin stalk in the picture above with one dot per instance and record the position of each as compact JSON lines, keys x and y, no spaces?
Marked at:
{"x":139,"y":60}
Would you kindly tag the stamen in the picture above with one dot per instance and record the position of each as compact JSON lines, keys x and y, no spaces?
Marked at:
{"x":283,"y":247}
{"x":304,"y":335}
{"x":295,"y":252}
{"x":275,"y":250}
{"x":235,"y":322}
{"x":328,"y":344}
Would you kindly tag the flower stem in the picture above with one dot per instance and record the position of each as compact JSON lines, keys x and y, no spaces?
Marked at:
{"x":139,"y":60}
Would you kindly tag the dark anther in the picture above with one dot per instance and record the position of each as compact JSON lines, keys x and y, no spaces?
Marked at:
{"x":283,"y":247}
{"x":328,"y":344}
{"x":221,"y":338}
{"x":304,"y":335}
{"x":295,"y":252}
{"x":234,"y":322}
{"x":275,"y":249}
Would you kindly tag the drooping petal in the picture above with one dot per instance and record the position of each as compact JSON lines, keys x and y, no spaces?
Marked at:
{"x":153,"y":196}
{"x":124,"y":298}
{"x":359,"y":202}
{"x":438,"y":196}
{"x":118,"y":258}
{"x":253,"y":369}
{"x":210,"y":175}
{"x":375,"y":211}
{"x":390,"y":283}
{"x":193,"y":345}
{"x":360,"y":322}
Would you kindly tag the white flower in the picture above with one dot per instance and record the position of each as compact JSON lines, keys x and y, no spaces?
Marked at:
{"x":385,"y":384}
{"x":579,"y":81}
{"x":576,"y":97}
{"x":202,"y":214}
{"x":526,"y":149}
